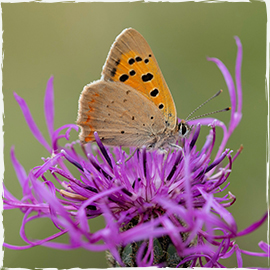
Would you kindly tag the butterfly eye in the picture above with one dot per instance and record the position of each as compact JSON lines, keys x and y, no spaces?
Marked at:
{"x":183,"y":129}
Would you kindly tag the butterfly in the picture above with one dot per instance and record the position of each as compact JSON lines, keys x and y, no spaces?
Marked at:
{"x":131,"y":105}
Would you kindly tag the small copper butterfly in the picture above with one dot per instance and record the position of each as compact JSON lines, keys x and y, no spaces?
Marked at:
{"x":131,"y":105}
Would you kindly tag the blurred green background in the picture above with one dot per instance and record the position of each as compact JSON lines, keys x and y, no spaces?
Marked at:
{"x":71,"y":42}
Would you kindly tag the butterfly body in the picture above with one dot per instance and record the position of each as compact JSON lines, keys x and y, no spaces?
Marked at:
{"x":131,"y":104}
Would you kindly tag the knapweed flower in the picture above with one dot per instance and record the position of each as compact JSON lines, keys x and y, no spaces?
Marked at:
{"x":158,"y":210}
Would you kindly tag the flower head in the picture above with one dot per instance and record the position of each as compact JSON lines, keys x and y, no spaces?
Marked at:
{"x":158,"y":211}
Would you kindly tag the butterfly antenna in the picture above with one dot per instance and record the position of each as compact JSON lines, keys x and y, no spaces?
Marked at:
{"x":215,"y":95}
{"x":224,"y":110}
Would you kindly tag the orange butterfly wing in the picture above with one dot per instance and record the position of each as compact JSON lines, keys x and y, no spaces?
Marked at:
{"x":132,"y":62}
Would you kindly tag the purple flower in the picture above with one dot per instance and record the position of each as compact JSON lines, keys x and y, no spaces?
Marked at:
{"x":157,"y":211}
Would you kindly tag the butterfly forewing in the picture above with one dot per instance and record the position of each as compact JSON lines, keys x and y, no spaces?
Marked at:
{"x":120,"y":114}
{"x":132,"y":63}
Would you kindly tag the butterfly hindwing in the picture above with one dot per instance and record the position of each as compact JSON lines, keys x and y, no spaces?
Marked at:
{"x":132,"y":62}
{"x":120,"y":114}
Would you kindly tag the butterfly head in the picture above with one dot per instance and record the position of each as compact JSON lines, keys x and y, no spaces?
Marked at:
{"x":183,"y":129}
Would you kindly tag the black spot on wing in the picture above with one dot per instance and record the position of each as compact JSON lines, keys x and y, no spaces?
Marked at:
{"x":161,"y":106}
{"x":132,"y":72}
{"x":113,"y":71}
{"x":138,"y":59}
{"x":154,"y":92}
{"x":147,"y":77}
{"x":131,"y":61}
{"x":123,"y":77}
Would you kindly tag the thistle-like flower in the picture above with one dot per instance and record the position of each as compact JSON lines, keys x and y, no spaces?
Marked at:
{"x":158,"y":211}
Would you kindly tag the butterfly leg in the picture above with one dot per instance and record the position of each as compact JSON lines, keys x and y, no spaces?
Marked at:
{"x":163,"y":151}
{"x":177,"y":147}
{"x":130,"y":156}
{"x":173,"y":145}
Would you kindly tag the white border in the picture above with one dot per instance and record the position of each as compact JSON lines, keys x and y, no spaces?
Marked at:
{"x":267,"y":2}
